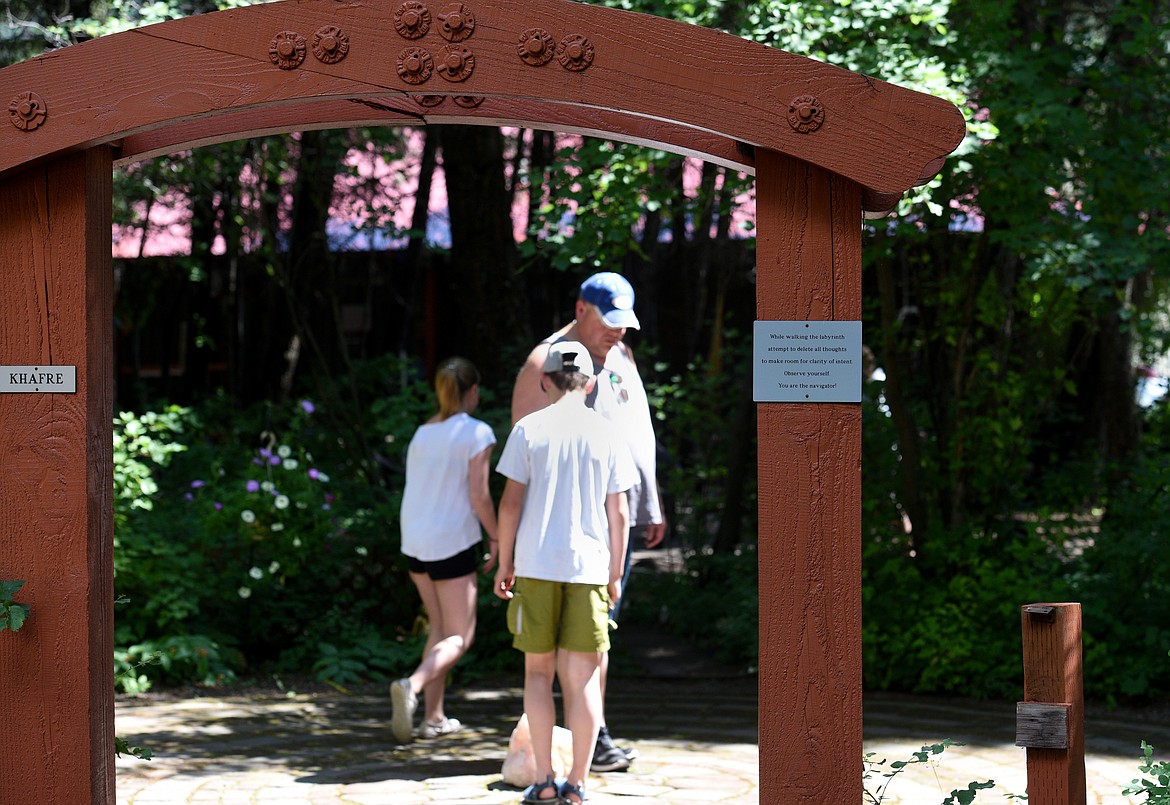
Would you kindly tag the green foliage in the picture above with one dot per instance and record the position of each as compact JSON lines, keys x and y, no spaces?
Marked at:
{"x":12,"y":614}
{"x":142,"y":444}
{"x":123,"y":747}
{"x":194,"y":658}
{"x":1155,"y":782}
{"x":953,"y":626}
{"x":369,"y":656}
{"x":927,"y":754}
{"x":1121,"y":579}
{"x":696,"y":460}
{"x":597,"y":200}
{"x":253,"y":539}
{"x":713,"y":604}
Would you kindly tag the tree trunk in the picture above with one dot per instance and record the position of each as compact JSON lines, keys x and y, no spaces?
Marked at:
{"x":480,"y":281}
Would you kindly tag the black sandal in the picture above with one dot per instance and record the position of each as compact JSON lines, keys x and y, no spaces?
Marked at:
{"x":532,"y":793}
{"x":575,"y":790}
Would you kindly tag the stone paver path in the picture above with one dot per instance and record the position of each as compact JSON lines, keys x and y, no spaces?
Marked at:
{"x":696,"y":746}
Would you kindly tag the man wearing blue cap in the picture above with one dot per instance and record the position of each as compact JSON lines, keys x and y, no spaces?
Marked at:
{"x":604,"y":311}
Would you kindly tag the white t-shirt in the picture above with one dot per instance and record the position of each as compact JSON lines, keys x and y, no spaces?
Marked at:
{"x":437,"y":519}
{"x":620,"y":397}
{"x":569,"y":459}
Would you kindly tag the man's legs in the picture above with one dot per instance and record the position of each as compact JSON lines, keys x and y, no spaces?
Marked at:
{"x":607,"y":756}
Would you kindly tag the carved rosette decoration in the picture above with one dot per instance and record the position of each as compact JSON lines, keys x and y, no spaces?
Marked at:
{"x":429,"y":100}
{"x":456,"y":22}
{"x":805,"y":114}
{"x":415,"y":65}
{"x":536,"y":47}
{"x":27,"y":111}
{"x":287,"y":50}
{"x":330,"y":44}
{"x":457,"y":63}
{"x":467,"y":101}
{"x":575,"y":53}
{"x":412,"y":20}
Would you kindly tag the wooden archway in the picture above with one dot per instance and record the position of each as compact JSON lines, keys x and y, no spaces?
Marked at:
{"x":825,"y":145}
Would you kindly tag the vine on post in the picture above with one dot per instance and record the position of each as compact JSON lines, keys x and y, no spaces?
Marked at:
{"x":12,"y":614}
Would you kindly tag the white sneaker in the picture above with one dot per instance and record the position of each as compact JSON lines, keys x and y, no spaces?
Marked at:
{"x":434,"y":729}
{"x":404,"y":702}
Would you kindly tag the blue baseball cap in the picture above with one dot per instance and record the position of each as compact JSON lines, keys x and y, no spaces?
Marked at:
{"x":613,"y":295}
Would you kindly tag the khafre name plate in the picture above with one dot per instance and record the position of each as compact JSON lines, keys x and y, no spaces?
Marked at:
{"x":38,"y":379}
{"x":806,"y":361}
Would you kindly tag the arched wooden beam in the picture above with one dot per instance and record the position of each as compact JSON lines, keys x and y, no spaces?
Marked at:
{"x":402,"y":110}
{"x":679,"y":86}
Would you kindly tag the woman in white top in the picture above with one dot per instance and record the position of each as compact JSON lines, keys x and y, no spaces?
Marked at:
{"x":445,"y":502}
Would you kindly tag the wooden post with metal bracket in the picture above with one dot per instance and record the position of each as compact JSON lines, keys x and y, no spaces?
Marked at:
{"x":1050,"y":722}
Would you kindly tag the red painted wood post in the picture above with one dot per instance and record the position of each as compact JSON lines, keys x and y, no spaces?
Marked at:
{"x":56,"y":511}
{"x":1053,"y":676}
{"x":809,"y":268}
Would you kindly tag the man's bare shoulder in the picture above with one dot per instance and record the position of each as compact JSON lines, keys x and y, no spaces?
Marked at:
{"x":527,"y":395}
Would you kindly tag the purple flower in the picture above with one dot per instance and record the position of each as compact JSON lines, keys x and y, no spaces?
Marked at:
{"x":264,"y":451}
{"x":252,"y":486}
{"x":313,"y":473}
{"x":188,"y":496}
{"x":198,"y":484}
{"x":218,"y":505}
{"x":307,"y":407}
{"x":274,"y":461}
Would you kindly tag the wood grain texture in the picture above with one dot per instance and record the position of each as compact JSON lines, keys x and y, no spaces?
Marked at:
{"x":55,"y":494}
{"x":1053,"y":674}
{"x":1042,"y":725}
{"x":647,"y":70}
{"x":405,"y":111}
{"x":809,"y":268}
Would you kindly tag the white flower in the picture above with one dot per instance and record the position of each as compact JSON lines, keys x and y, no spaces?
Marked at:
{"x":322,"y":477}
{"x":284,"y":451}
{"x":290,"y":464}
{"x":267,"y":486}
{"x":362,"y":550}
{"x":278,"y":526}
{"x":244,"y":592}
{"x":256,"y":573}
{"x":296,"y":542}
{"x":248,"y":516}
{"x":273,"y":568}
{"x":281,"y":502}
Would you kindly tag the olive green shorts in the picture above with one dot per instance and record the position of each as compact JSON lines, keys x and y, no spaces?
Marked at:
{"x":545,"y":615}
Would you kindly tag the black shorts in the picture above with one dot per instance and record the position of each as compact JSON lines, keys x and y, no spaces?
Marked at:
{"x":452,"y":567}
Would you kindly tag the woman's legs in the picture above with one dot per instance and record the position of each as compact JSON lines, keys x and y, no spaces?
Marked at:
{"x":450,"y":605}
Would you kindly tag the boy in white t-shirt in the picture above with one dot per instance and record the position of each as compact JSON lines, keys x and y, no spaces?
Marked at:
{"x":563,"y":525}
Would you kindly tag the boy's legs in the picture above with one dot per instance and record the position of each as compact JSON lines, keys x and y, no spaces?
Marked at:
{"x":580,"y":675}
{"x":533,"y":618}
{"x":583,"y":640}
{"x":539,"y":670}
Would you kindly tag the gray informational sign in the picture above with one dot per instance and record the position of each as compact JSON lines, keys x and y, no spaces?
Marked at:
{"x":807,"y":361}
{"x":38,"y":379}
